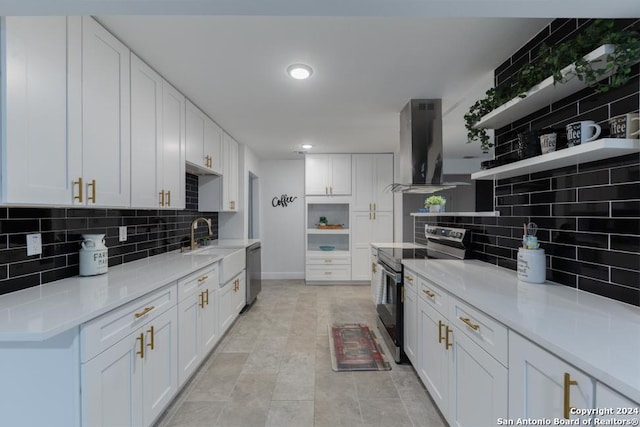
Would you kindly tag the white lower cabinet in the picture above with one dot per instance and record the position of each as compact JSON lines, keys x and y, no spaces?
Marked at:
{"x":198,"y":320}
{"x":131,"y":382}
{"x":543,"y":386}
{"x":232,"y":300}
{"x":468,"y":384}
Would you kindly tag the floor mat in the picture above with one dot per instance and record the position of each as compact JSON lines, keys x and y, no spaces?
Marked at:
{"x":354,"y":348}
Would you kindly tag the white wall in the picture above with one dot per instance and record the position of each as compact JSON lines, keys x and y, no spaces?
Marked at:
{"x":282,"y":229}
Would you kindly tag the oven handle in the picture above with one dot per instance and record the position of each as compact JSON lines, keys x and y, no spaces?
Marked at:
{"x":393,"y":276}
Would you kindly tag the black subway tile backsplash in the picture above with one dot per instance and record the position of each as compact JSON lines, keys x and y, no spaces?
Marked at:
{"x":150,"y":232}
{"x":588,"y":214}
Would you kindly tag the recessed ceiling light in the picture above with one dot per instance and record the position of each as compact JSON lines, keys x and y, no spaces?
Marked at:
{"x":299,"y":71}
{"x":307,"y":146}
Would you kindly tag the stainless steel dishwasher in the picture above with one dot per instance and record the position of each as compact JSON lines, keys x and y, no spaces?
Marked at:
{"x":254,"y":272}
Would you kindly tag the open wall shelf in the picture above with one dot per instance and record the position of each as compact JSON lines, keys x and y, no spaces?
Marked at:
{"x":604,"y":148}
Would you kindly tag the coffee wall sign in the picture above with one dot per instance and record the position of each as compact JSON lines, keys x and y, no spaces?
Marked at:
{"x":283,"y":201}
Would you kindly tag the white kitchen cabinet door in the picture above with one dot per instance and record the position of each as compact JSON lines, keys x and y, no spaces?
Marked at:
{"x":160,"y":373}
{"x":146,"y":135}
{"x":189,"y":351}
{"x":411,"y":325}
{"x":478,"y":384}
{"x":195,"y":119}
{"x":172,"y":150}
{"x":367,"y":227}
{"x":433,"y":356}
{"x":106,"y":116}
{"x":240,"y":295}
{"x":230,"y":174}
{"x":316,"y":174}
{"x":209,"y":333}
{"x":213,"y":146}
{"x":43,"y":159}
{"x":203,"y":141}
{"x":226,"y":313}
{"x":538,"y":381}
{"x":112,"y":386}
{"x":340,"y":172}
{"x":371,"y":175}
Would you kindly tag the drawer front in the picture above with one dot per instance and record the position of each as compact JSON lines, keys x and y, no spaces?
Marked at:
{"x":328,"y":260}
{"x":101,"y":333}
{"x":209,"y":276}
{"x":328,"y":272}
{"x":410,"y":280}
{"x":488,"y":333}
{"x":433,"y":295}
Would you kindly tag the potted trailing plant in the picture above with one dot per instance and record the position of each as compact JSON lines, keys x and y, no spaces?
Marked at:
{"x":550,"y":61}
{"x":434,"y":203}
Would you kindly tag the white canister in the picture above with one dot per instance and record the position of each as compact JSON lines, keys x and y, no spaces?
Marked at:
{"x":94,"y":257}
{"x":532,"y":265}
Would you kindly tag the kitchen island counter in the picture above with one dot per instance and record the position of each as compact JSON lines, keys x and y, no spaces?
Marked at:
{"x":598,"y":335}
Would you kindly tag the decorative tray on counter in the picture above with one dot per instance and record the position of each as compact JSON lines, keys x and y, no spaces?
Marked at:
{"x":330,"y":226}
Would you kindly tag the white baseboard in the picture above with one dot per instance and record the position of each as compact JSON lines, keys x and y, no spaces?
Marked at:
{"x":282,"y":275}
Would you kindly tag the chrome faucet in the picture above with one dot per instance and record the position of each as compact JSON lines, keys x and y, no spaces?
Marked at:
{"x":193,"y":230}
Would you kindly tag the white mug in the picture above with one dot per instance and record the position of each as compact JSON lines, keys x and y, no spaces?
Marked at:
{"x":583,"y":131}
{"x":548,"y":142}
{"x":625,"y":126}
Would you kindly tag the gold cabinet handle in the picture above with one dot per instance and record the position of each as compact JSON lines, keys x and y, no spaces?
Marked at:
{"x":232,"y":204}
{"x":374,"y":209}
{"x":141,"y":351}
{"x":440,"y":337}
{"x":79,"y":183}
{"x":467,"y":322}
{"x":161,"y":194}
{"x":568,"y":382}
{"x":374,"y":215}
{"x":402,"y":296}
{"x":370,"y":206}
{"x":408,"y":278}
{"x":328,"y":261}
{"x":447,"y":344}
{"x":330,"y":190}
{"x":369,"y":214}
{"x":202,"y":279}
{"x":327,"y":273}
{"x":152,"y":341}
{"x":145,"y":311}
{"x":429,"y":294}
{"x":168,"y":197}
{"x":92,"y":198}
{"x":373,"y":267}
{"x":206,"y":295}
{"x":201,"y":298}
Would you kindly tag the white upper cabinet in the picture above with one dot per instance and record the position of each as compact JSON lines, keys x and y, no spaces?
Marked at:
{"x":372,"y":175}
{"x":105,"y":117}
{"x":230,"y":176}
{"x":328,"y":174}
{"x":157,"y":140}
{"x":172,"y":166}
{"x":34,"y":109}
{"x":204,"y":142}
{"x":146,"y":134}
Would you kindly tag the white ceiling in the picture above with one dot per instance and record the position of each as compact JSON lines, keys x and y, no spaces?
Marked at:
{"x":369,"y":58}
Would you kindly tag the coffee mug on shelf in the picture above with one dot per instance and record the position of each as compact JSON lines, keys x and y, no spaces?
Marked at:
{"x":548,"y":142}
{"x":625,"y":126}
{"x":581,"y":132}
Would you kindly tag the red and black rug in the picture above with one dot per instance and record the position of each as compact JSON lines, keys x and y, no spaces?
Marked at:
{"x":354,"y":348}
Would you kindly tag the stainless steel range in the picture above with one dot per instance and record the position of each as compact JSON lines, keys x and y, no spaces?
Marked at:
{"x":442,"y":243}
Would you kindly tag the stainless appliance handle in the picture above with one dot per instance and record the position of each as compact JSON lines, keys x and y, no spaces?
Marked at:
{"x":390,"y":274}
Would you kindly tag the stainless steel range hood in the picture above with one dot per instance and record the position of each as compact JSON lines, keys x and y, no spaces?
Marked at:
{"x":421,"y":157}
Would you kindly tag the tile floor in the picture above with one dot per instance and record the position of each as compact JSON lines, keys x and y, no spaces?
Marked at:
{"x":273,"y":369}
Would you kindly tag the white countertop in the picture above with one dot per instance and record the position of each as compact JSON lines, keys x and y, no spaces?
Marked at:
{"x":598,"y":335}
{"x":41,"y":312}
{"x":491,"y":213}
{"x":398,"y":245}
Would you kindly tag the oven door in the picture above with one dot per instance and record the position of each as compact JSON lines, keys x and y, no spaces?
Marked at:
{"x":390,"y":309}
